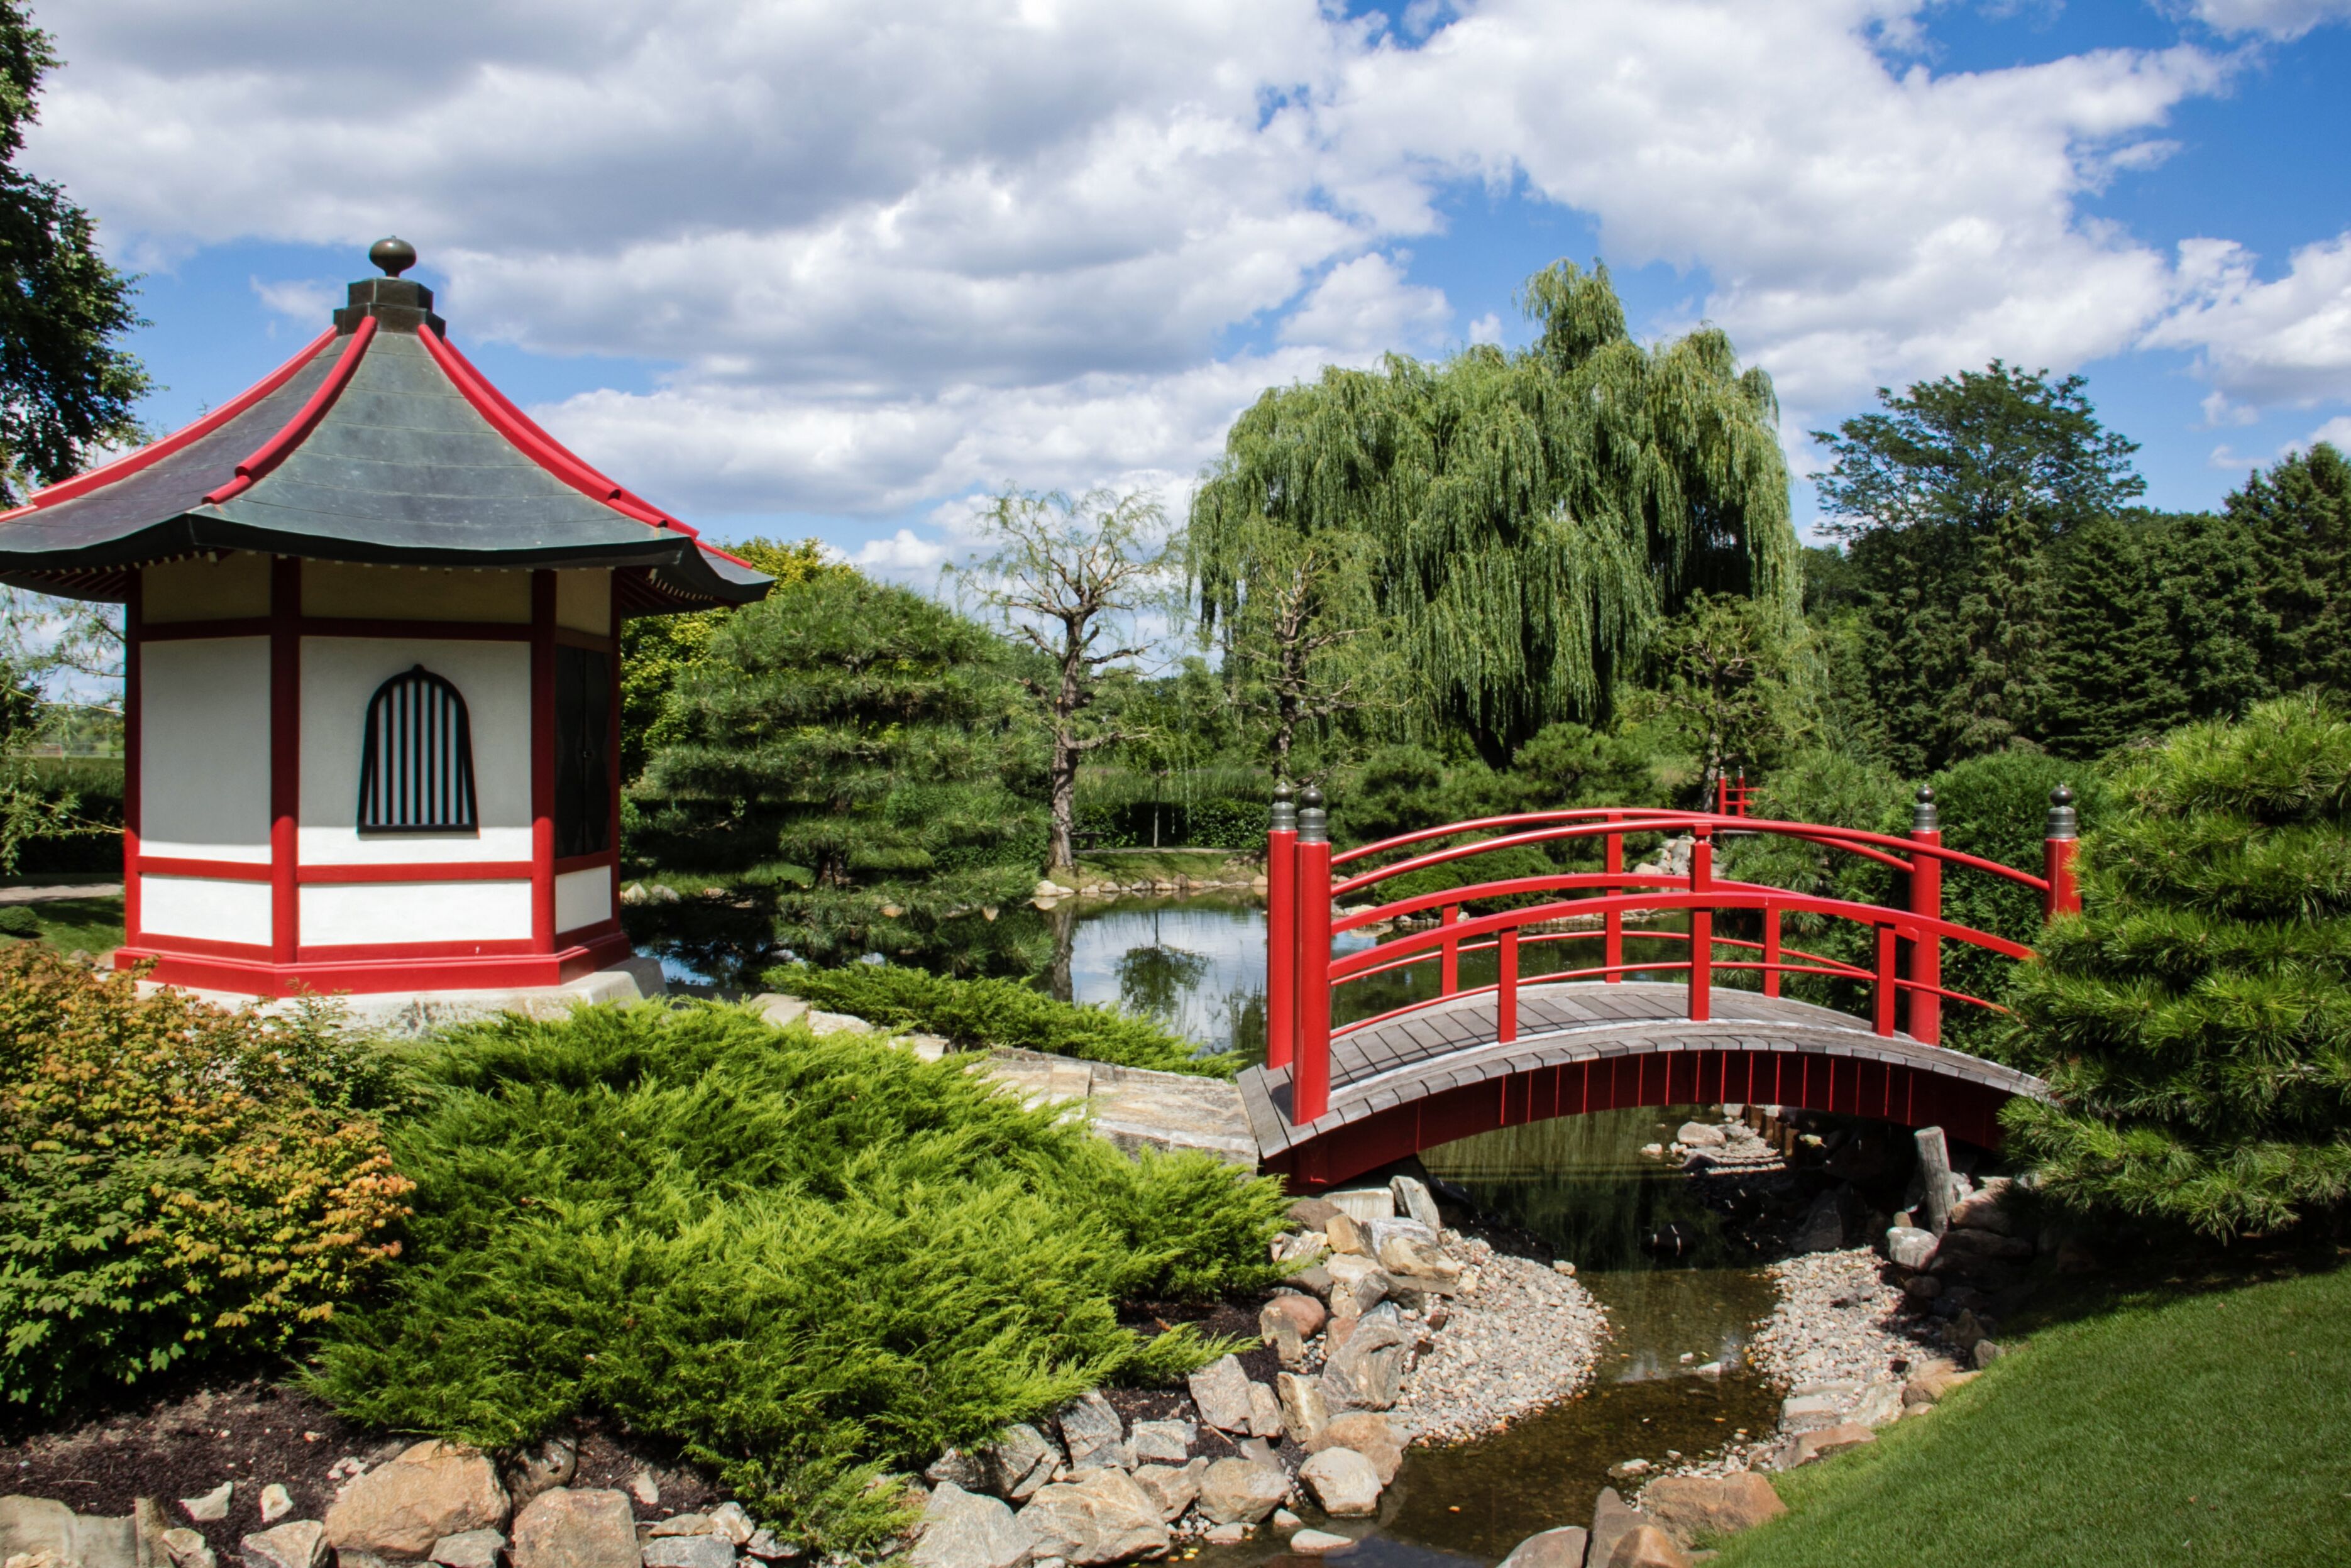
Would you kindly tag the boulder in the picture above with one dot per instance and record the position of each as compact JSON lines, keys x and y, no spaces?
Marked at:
{"x":1413,"y":1197}
{"x":400,"y":1508}
{"x":1346,"y":1236}
{"x":1966,"y":1247}
{"x":1357,"y":1285}
{"x":1162,"y":1442}
{"x":1367,"y":1371}
{"x":1171,"y":1488}
{"x":1985,"y":1353}
{"x":277,"y":1502}
{"x":473,"y":1549}
{"x":680,"y":1525}
{"x":1312,"y":1213}
{"x":1287,"y":1322}
{"x":211,"y":1507}
{"x":1092,"y":1434}
{"x":1699,"y":1135}
{"x":1242,"y":1491}
{"x":188,"y":1548}
{"x":1221,"y":1391}
{"x":690,"y":1552}
{"x":1810,"y":1411}
{"x":1101,"y":1517}
{"x":1226,"y":1534}
{"x":541,"y":1468}
{"x":1344,"y":1483}
{"x":1909,"y":1247}
{"x":729,"y":1520}
{"x":1019,"y":1461}
{"x":1646,"y":1546}
{"x":1931,"y":1381}
{"x":1985,"y":1210}
{"x":1321,"y":1543}
{"x":969,"y":1530}
{"x":298,"y":1543}
{"x":1418,"y":1256}
{"x":1365,"y":1203}
{"x":1265,"y":1411}
{"x":1315,"y":1281}
{"x":1369,"y":1434}
{"x":589,"y":1527}
{"x":1612,"y":1519}
{"x":1563,"y":1548}
{"x":1880,"y":1405}
{"x":969,"y":1471}
{"x":1304,"y":1247}
{"x":1923,"y":1287}
{"x":41,"y":1527}
{"x":1822,"y":1228}
{"x":1689,"y":1508}
{"x":1806,"y":1446}
{"x":1304,"y":1412}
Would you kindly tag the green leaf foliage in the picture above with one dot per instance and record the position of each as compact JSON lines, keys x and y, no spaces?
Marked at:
{"x":2194,"y":1021}
{"x":1526,"y":519}
{"x":981,"y":1013}
{"x":175,"y":1181}
{"x":807,"y":1261}
{"x":855,"y":756}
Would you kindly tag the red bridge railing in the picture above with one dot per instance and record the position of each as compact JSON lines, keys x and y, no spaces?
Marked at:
{"x":1304,"y":912}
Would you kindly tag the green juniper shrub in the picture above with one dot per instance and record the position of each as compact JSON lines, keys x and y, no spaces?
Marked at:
{"x":176,"y":1180}
{"x":2193,"y":1022}
{"x":18,"y":920}
{"x":981,"y":1013}
{"x":808,"y":1261}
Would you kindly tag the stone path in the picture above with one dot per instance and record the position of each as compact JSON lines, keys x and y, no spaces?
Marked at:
{"x":47,"y":891}
{"x":1135,"y":1106}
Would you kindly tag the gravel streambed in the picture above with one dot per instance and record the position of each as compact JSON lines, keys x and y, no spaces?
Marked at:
{"x":1526,"y":1337}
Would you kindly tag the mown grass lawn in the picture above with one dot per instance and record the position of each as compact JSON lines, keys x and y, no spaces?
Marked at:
{"x":90,"y":924}
{"x":2203,"y":1429}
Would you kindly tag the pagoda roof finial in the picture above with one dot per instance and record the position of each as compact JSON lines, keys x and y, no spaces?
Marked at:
{"x":394,"y":255}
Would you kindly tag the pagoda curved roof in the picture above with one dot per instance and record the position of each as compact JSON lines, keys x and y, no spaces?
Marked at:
{"x":378,"y":443}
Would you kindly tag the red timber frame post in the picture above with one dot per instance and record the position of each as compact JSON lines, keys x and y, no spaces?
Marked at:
{"x":1927,"y":899}
{"x":133,"y":622}
{"x":285,"y":757}
{"x":1613,"y":923}
{"x":542,"y":761}
{"x":612,"y":739}
{"x":2065,"y":834}
{"x":1281,"y":929}
{"x":1701,"y":925}
{"x":1310,"y":1075}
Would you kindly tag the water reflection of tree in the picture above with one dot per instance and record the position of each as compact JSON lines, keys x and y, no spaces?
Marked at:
{"x":1155,"y":979}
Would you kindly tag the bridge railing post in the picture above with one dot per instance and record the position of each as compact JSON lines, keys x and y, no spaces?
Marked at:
{"x":1281,"y":929}
{"x":1506,"y":986}
{"x":1612,"y":948}
{"x":1310,"y":1072}
{"x":1772,"y":950}
{"x":1701,"y":927}
{"x":1449,"y":963}
{"x":2063,"y":839}
{"x":1927,"y":899}
{"x":1886,"y":989}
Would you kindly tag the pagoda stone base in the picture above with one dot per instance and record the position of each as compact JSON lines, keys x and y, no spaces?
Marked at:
{"x":408,"y":1014}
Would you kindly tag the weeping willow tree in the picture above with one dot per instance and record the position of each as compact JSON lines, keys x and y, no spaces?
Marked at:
{"x":1530,"y":517}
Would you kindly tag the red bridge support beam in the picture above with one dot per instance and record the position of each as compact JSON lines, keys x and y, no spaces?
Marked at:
{"x":2064,"y":838}
{"x":1310,"y":1075}
{"x":1927,"y":899}
{"x":1281,"y":930}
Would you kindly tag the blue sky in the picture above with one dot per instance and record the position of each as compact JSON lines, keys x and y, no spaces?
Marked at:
{"x":798,"y":271}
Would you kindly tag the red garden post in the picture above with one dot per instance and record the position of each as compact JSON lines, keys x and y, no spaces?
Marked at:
{"x":2057,"y":859}
{"x":1701,"y":927}
{"x":1309,"y":1075}
{"x":1927,"y":899}
{"x":1281,"y":929}
{"x":1450,"y":965}
{"x":1613,"y":923}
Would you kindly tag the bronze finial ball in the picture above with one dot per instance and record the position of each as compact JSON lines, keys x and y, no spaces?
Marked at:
{"x":392,"y":254}
{"x":2061,"y":796}
{"x":1925,"y":794}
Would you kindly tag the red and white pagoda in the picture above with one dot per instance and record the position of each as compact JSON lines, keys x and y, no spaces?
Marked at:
{"x":372,"y":703}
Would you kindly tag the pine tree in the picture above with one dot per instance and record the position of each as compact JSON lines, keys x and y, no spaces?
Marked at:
{"x":2194,"y":1022}
{"x":856,"y":754}
{"x":1533,"y":516}
{"x":2297,"y":518}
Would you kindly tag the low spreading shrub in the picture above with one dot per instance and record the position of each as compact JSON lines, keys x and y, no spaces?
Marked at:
{"x":175,"y":1180}
{"x":806,"y":1261}
{"x":980,"y":1013}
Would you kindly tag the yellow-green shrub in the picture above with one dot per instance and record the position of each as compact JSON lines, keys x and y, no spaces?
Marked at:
{"x":176,"y":1179}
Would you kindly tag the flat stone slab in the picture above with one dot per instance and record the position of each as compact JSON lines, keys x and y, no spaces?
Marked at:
{"x":1135,"y":1106}
{"x":409,"y":1014}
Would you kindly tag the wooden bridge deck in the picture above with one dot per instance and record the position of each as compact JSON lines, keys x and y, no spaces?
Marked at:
{"x":1383,"y":1071}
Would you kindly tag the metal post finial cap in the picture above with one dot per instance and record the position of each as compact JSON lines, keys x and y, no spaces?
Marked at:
{"x":394,"y":255}
{"x":1313,"y":823}
{"x":1923,"y":816}
{"x":2064,"y":822}
{"x":1285,"y":808}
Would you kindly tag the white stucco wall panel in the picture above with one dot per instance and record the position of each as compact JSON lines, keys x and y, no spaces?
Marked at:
{"x":340,"y":675}
{"x":583,"y":898}
{"x":204,"y":749}
{"x":342,"y":915}
{"x":199,"y":907}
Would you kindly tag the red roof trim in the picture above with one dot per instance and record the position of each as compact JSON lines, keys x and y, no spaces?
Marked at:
{"x":131,"y":463}
{"x":274,"y":450}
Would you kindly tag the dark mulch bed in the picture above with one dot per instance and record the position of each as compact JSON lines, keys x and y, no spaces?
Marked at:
{"x":189,"y":1437}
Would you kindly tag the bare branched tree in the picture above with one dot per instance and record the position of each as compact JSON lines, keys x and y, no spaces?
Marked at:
{"x":1069,"y":577}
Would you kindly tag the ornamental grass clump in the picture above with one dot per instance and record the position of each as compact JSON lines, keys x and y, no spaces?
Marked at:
{"x":807,"y":1261}
{"x":2195,"y":1022}
{"x":176,"y":1180}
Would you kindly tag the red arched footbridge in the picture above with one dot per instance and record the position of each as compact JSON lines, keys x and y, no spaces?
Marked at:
{"x":1334,"y":1102}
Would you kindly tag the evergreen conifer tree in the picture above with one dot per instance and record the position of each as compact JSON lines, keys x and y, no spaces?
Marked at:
{"x":857,"y":754}
{"x":2296,"y":520}
{"x":2194,"y":1021}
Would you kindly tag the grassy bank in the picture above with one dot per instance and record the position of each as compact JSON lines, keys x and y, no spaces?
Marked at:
{"x":89,"y":924}
{"x":2204,"y":1429}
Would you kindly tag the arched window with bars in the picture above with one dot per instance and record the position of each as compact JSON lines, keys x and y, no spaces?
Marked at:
{"x":416,"y":762}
